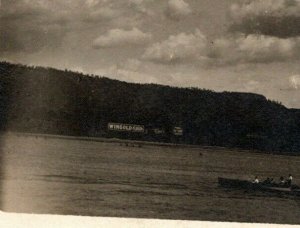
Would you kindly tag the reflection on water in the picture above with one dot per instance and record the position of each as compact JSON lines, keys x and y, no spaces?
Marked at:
{"x":49,"y":175}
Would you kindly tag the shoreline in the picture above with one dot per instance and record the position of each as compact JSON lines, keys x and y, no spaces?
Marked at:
{"x":108,"y":140}
{"x":139,"y":143}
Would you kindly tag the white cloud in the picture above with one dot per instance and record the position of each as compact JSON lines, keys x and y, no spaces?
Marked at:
{"x":178,"y":8}
{"x":120,"y":37}
{"x":102,"y":13}
{"x":124,"y":73}
{"x":178,"y":48}
{"x":92,"y":3}
{"x":294,"y":81}
{"x":235,"y":49}
{"x":254,"y":48}
{"x":266,"y":7}
{"x":251,"y":86}
{"x":278,"y":18}
{"x":31,"y":25}
{"x":140,"y":6}
{"x":133,"y":64}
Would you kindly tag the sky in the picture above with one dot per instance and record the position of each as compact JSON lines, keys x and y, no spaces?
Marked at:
{"x":223,"y":45}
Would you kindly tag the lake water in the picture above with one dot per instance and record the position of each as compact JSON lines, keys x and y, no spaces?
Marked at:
{"x":61,"y":176}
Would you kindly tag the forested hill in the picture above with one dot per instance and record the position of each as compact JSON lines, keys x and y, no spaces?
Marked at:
{"x":46,"y":100}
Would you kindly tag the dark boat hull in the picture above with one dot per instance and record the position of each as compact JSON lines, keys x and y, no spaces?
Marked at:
{"x":248,"y":185}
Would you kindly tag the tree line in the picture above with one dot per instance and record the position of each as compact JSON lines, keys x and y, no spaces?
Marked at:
{"x":47,"y":100}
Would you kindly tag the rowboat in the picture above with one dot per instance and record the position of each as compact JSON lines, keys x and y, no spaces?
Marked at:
{"x":250,"y":186}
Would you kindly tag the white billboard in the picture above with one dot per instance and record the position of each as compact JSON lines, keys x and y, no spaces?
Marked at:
{"x":126,"y":127}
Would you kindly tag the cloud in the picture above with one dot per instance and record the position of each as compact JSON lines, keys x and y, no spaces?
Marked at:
{"x":254,"y":48}
{"x":133,"y":64}
{"x":120,"y":37}
{"x":178,"y":9}
{"x":264,"y":31}
{"x":294,"y":81}
{"x":100,"y":14}
{"x":251,"y":86}
{"x":92,"y":3}
{"x":31,"y":25}
{"x":30,"y":36}
{"x":280,"y":18}
{"x":235,"y":49}
{"x":178,"y":48}
{"x":279,"y":8}
{"x":127,"y":73}
{"x":140,"y":6}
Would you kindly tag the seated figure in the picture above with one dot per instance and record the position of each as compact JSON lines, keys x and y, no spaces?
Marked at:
{"x":267,"y":181}
{"x":289,"y":181}
{"x":255,"y":181}
{"x":282,"y":182}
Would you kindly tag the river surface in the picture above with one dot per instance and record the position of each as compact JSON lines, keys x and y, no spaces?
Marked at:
{"x":78,"y":177}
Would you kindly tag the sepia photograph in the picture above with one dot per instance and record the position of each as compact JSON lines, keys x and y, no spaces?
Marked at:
{"x":151,"y":109}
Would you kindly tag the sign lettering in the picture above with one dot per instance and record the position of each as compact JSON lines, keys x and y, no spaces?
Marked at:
{"x":126,"y":127}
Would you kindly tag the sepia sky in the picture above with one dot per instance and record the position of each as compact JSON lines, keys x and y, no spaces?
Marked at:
{"x":233,"y":45}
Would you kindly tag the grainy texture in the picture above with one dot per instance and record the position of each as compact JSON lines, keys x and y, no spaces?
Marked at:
{"x":59,"y":176}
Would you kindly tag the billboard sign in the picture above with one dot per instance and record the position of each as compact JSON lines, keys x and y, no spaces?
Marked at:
{"x":126,"y":127}
{"x":177,"y":131}
{"x":158,"y":131}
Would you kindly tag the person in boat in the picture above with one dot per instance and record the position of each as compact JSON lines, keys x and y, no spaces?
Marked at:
{"x":256,"y":180}
{"x":267,"y":181}
{"x":289,"y":180}
{"x":281,"y":181}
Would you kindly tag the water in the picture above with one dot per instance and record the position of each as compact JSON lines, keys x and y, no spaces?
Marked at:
{"x":59,"y":176}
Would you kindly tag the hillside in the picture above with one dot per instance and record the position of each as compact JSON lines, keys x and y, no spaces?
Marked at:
{"x":46,"y":100}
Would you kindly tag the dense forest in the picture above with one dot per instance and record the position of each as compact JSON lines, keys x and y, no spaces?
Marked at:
{"x":46,"y":100}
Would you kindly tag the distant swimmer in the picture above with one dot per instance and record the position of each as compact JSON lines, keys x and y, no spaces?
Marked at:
{"x":255,"y":181}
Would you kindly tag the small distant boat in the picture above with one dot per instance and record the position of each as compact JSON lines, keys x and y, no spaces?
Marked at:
{"x":248,"y":185}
